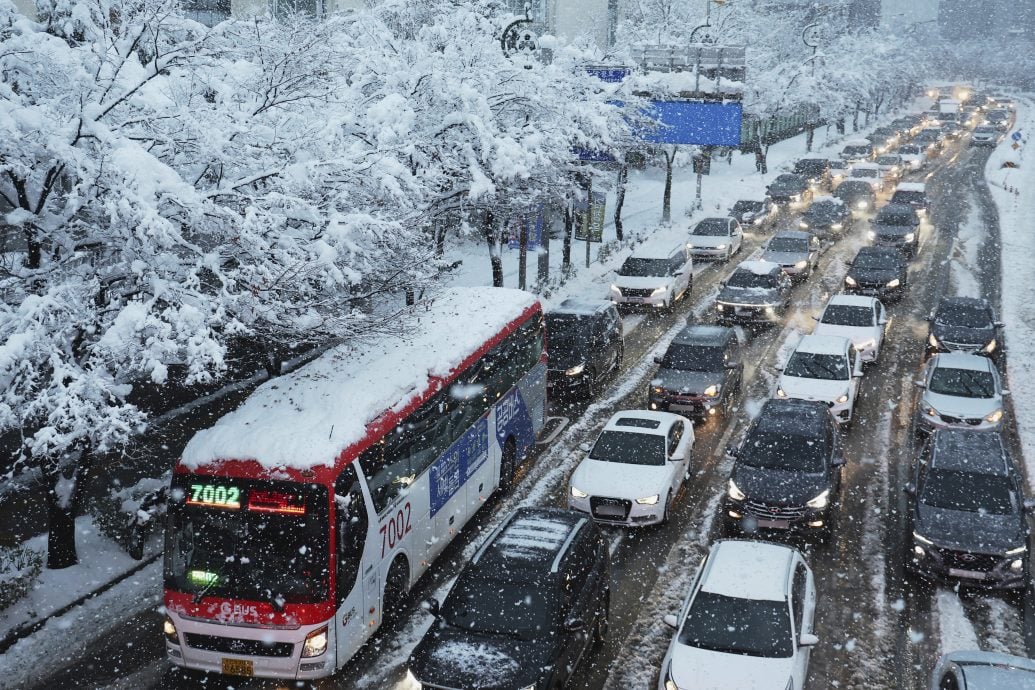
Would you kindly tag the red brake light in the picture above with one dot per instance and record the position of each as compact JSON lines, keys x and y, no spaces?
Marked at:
{"x":276,"y":502}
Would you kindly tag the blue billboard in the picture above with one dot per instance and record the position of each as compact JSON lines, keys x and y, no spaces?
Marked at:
{"x":694,"y":122}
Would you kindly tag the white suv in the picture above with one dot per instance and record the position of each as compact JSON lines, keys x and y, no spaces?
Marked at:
{"x":634,"y":469}
{"x":825,"y":368}
{"x":718,"y":238}
{"x":863,"y":320}
{"x":747,"y":621}
{"x":654,"y":276}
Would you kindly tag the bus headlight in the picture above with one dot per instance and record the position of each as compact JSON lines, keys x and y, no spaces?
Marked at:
{"x":578,"y":493}
{"x":169,"y":628}
{"x":648,"y":500}
{"x":315,"y":643}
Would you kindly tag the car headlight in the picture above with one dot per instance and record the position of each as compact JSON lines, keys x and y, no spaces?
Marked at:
{"x":931,"y":412}
{"x":803,"y":225}
{"x":169,"y":628}
{"x":780,"y":392}
{"x":849,"y":280}
{"x":719,"y":307}
{"x":866,"y":345}
{"x":577,"y":492}
{"x":821,"y":501}
{"x":615,"y":288}
{"x":689,"y":246}
{"x":992,"y":345}
{"x":837,"y":226}
{"x":648,"y":500}
{"x":315,"y":643}
{"x":796,"y":198}
{"x":1019,"y":550}
{"x":801,"y":264}
{"x":770,"y":311}
{"x":994,"y":417}
{"x":862,"y":204}
{"x":659,"y":291}
{"x":721,"y":246}
{"x":842,"y":400}
{"x":1017,"y":565}
{"x":759,"y":220}
{"x":412,"y":682}
{"x":734,"y":492}
{"x":712,"y":391}
{"x":932,"y":341}
{"x":670,"y":684}
{"x":659,"y":389}
{"x":893,"y":283}
{"x":921,"y":538}
{"x":575,"y":370}
{"x":909,"y":236}
{"x":871,"y":234}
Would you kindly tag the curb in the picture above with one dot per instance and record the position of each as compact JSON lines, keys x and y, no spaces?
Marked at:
{"x":21,"y":632}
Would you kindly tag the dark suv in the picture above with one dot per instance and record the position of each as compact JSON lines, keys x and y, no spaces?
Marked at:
{"x":789,"y":189}
{"x":700,"y":374}
{"x":878,"y":271}
{"x":964,"y":324}
{"x":787,"y":470}
{"x":524,"y":611}
{"x":967,"y":512}
{"x":586,"y":345}
{"x":898,"y":226}
{"x":816,"y":171}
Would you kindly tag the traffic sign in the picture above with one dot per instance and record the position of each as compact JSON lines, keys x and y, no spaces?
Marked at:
{"x":1016,"y":136}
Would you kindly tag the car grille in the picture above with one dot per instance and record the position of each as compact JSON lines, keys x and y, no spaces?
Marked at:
{"x":637,"y":292}
{"x":774,"y":512}
{"x":961,"y":347}
{"x":962,"y":420}
{"x":964,"y":560}
{"x":606,"y":508}
{"x":233,"y":645}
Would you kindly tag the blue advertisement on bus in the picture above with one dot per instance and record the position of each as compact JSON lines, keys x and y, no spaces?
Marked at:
{"x":458,"y":463}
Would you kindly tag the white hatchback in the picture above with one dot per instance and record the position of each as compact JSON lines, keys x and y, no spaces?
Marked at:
{"x":635,"y":468}
{"x":716,"y":238}
{"x":863,"y":320}
{"x":825,"y":368}
{"x":747,"y":621}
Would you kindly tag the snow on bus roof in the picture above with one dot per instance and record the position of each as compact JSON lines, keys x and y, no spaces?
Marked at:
{"x":308,"y":417}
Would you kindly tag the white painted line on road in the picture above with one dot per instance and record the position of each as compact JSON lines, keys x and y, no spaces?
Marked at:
{"x":562,"y":423}
{"x":956,"y":631}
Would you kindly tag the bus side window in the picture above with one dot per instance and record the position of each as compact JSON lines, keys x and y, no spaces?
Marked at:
{"x":387,"y":469}
{"x":352,"y":525}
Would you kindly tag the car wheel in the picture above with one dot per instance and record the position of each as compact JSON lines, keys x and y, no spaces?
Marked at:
{"x":668,"y":503}
{"x":590,"y":388}
{"x":619,"y":356}
{"x":603,"y":621}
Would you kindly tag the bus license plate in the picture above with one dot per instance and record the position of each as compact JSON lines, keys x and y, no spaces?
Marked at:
{"x":238,"y":667}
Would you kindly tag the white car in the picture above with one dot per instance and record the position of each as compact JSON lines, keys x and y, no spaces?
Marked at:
{"x":747,"y":621}
{"x":863,"y":320}
{"x":657,"y":275}
{"x":913,"y":156}
{"x":869,"y":173}
{"x":960,"y":390}
{"x":635,"y":468}
{"x":718,"y":238}
{"x":826,"y":368}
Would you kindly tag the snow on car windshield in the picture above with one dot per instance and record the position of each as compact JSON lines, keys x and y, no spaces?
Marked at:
{"x":962,"y":383}
{"x":809,"y":365}
{"x":846,"y":315}
{"x":969,"y":491}
{"x":645,"y":268}
{"x":732,"y":625}
{"x":629,"y":448}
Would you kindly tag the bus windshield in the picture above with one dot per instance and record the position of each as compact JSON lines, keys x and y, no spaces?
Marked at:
{"x":247,"y":539}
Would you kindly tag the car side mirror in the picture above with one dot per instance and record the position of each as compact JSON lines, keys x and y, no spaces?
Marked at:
{"x":585,"y":447}
{"x":919,"y":383}
{"x":658,"y":359}
{"x":574,"y":624}
{"x":882,"y":321}
{"x":677,"y":457}
{"x":732,"y":451}
{"x":808,"y":640}
{"x":431,"y":605}
{"x":910,"y":489}
{"x":815,"y":317}
{"x":732,"y":365}
{"x":999,"y":324}
{"x":1005,"y":392}
{"x":857,"y":374}
{"x":1029,"y":504}
{"x":671,"y":620}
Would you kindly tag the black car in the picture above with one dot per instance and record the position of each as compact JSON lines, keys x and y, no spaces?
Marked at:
{"x":524,"y":611}
{"x":898,"y":226}
{"x":586,"y":345}
{"x":816,"y":171}
{"x":827,"y":216}
{"x":756,"y":292}
{"x":877,"y":271}
{"x":700,"y":373}
{"x":787,"y":470}
{"x":930,"y":140}
{"x":964,"y":324}
{"x":858,"y":195}
{"x":749,"y":213}
{"x":789,"y":189}
{"x":967,"y":512}
{"x":912,"y":194}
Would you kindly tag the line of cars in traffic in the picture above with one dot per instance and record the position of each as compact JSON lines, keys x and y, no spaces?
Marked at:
{"x":749,"y":615}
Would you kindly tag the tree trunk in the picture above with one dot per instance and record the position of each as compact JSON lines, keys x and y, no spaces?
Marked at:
{"x":841,"y":124}
{"x":623,"y":177}
{"x":810,"y":133}
{"x":666,"y":201}
{"x":569,"y":228}
{"x":67,"y":489}
{"x":489,"y":231}
{"x":855,"y":119}
{"x":272,"y":359}
{"x":523,"y":253}
{"x":34,"y":255}
{"x":440,"y":238}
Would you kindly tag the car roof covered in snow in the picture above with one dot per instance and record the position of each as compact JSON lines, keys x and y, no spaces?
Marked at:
{"x":641,"y":422}
{"x":858,"y":142}
{"x":961,"y":360}
{"x":748,"y":570}
{"x":826,"y":199}
{"x":307,"y":418}
{"x":530,"y":538}
{"x":970,"y":450}
{"x":806,"y":418}
{"x":759,"y":268}
{"x":865,"y":166}
{"x":911,"y":187}
{"x":822,"y":344}
{"x":791,"y":234}
{"x":703,"y":335}
{"x":852,"y":300}
{"x":581,"y":306}
{"x":655,"y":248}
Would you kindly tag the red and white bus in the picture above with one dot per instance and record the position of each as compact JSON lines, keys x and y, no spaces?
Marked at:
{"x":299,"y":519}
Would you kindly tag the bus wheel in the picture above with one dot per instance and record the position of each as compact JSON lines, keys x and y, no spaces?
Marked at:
{"x":508,"y":464}
{"x":395,"y":591}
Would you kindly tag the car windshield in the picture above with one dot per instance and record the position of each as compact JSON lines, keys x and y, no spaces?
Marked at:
{"x":962,"y":383}
{"x":645,"y":268}
{"x":965,"y":315}
{"x":825,"y":210}
{"x":997,"y":115}
{"x":854,"y":188}
{"x":742,"y":207}
{"x":909,"y":150}
{"x":906,"y":197}
{"x":810,"y":365}
{"x":895,"y":217}
{"x":969,"y":491}
{"x":875,"y":261}
{"x":865,"y":172}
{"x":567,"y":331}
{"x":694,"y":358}
{"x":785,"y":187}
{"x":778,"y":450}
{"x":889,"y":160}
{"x":750,"y":279}
{"x":810,"y":167}
{"x":857,"y":150}
{"x":251,"y":540}
{"x":788,"y":244}
{"x":984,"y":130}
{"x":491,"y":605}
{"x":847,"y":315}
{"x":629,"y":448}
{"x":731,"y":625}
{"x":713,"y":227}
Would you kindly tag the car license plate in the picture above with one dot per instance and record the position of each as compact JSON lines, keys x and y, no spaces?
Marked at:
{"x":969,"y":574}
{"x":611,"y":511}
{"x":774,"y":524}
{"x":238,"y":667}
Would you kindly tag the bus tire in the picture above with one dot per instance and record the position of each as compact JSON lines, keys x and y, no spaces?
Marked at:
{"x":508,"y":464}
{"x":395,"y":591}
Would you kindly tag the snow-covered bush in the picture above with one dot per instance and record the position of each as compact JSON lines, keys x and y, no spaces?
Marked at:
{"x":20,"y":567}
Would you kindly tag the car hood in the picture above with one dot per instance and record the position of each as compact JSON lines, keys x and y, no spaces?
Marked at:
{"x":620,"y":480}
{"x":783,"y":258}
{"x":962,"y":335}
{"x":785,"y":190}
{"x":687,"y":382}
{"x":852,"y":197}
{"x":896,"y":230}
{"x":857,"y":334}
{"x":459,"y":659}
{"x":708,"y":240}
{"x":873,"y":275}
{"x":642,"y":282}
{"x":962,"y":529}
{"x":778,"y":487}
{"x":701,"y":669}
{"x":955,"y":406}
{"x":565,"y":358}
{"x":821,"y":221}
{"x":813,"y":389}
{"x":754,"y":296}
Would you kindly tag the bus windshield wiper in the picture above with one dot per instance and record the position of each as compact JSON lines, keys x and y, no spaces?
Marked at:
{"x":203,"y":592}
